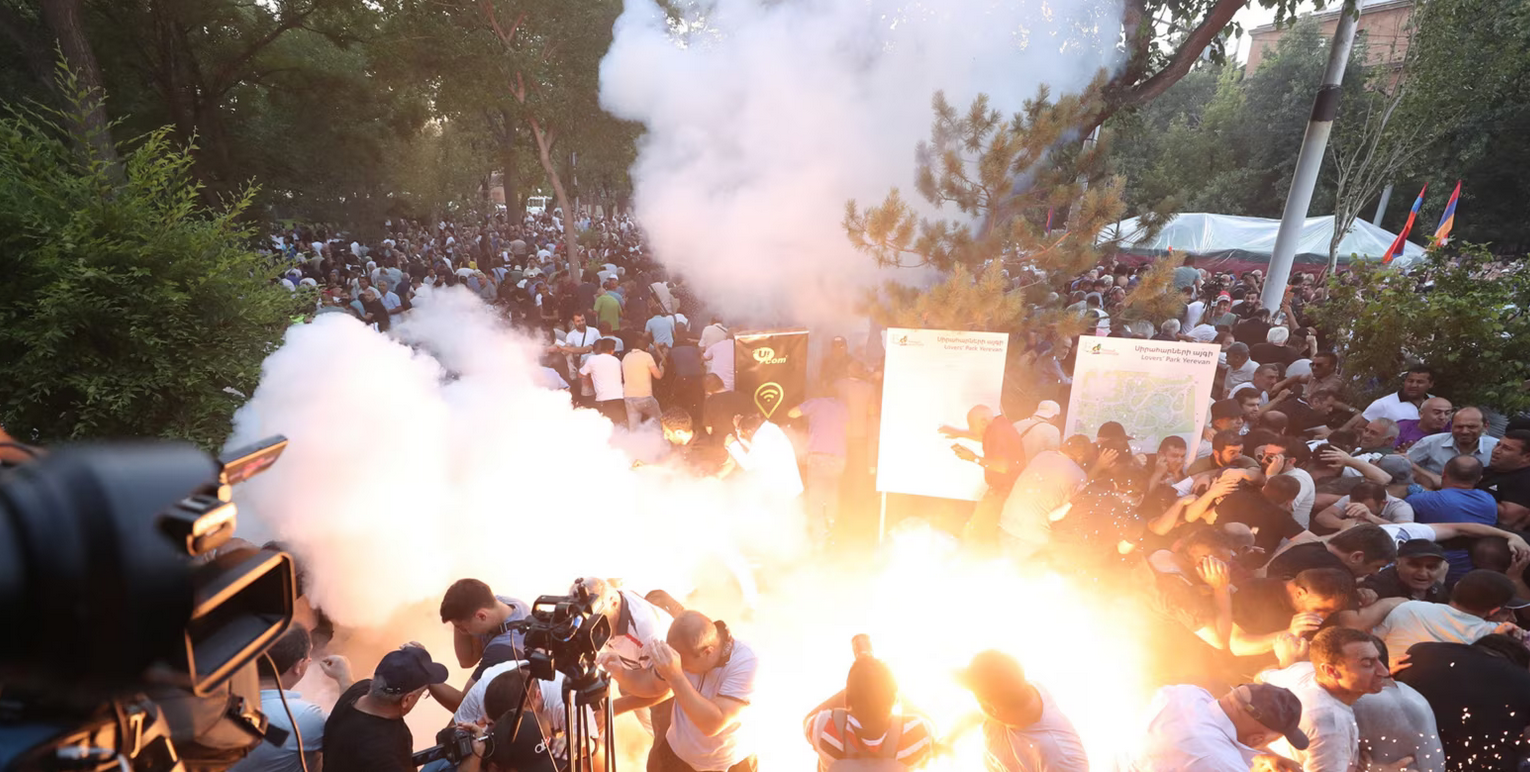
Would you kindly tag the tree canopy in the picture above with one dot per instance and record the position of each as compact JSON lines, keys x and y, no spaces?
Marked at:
{"x":130,"y":307}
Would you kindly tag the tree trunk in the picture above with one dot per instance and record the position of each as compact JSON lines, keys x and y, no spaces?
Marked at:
{"x":510,"y":177}
{"x":93,"y":129}
{"x":570,"y":239}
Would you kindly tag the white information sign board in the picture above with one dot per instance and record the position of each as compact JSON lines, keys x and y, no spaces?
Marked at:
{"x":1153,"y":388}
{"x":932,"y":378}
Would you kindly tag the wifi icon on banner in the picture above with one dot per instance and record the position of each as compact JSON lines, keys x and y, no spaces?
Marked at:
{"x":768,"y":398}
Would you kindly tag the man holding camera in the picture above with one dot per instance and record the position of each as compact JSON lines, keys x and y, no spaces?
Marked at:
{"x":633,"y":621}
{"x":494,"y":701}
{"x":712,"y":676}
{"x":366,"y":732}
{"x":480,"y":619}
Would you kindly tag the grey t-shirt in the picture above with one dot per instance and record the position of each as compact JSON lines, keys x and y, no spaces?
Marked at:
{"x":1049,"y":745}
{"x":515,"y":639}
{"x":1397,"y":723}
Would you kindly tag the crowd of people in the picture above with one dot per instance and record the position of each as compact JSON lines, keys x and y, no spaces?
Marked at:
{"x":1324,"y":584}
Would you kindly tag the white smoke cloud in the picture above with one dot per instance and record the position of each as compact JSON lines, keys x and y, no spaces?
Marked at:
{"x":764,"y":117}
{"x":408,"y":469}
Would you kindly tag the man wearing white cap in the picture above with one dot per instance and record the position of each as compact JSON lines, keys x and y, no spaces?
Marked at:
{"x":1038,"y":433}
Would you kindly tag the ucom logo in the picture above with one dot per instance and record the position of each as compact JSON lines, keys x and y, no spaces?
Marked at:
{"x":766,"y":355}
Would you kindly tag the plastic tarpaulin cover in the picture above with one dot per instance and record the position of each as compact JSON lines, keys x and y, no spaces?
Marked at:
{"x":1221,"y":237}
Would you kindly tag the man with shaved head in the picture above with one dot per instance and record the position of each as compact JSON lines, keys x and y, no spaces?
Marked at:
{"x":1003,"y":456}
{"x":712,"y":677}
{"x":1433,"y":418}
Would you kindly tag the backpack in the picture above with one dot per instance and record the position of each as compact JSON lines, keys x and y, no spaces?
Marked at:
{"x":883,"y":759}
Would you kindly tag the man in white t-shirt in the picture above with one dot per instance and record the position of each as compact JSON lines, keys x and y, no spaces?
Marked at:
{"x":578,"y":345}
{"x":1240,"y":368}
{"x":719,"y":359}
{"x":503,"y":688}
{"x":1403,"y":403}
{"x":1023,"y":727}
{"x":1345,"y":666}
{"x":712,"y":333}
{"x":1189,"y":729}
{"x":767,"y":454}
{"x":634,"y":622}
{"x":713,"y":678}
{"x":604,"y":371}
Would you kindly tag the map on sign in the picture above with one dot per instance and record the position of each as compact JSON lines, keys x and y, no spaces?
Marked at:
{"x":1150,"y":405}
{"x":1153,"y":388}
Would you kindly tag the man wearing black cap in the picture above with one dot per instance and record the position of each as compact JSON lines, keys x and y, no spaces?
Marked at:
{"x":1418,"y":574}
{"x":1226,"y":415}
{"x":366,"y":732}
{"x":1023,"y":729}
{"x":1189,"y":729}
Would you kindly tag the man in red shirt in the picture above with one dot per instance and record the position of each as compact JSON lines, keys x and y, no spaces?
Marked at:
{"x":1002,"y":458}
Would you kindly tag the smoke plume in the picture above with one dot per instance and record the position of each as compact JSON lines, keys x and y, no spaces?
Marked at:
{"x":430,"y":456}
{"x":763,"y":118}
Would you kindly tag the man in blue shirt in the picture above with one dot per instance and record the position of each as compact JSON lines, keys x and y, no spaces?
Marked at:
{"x":1457,"y":501}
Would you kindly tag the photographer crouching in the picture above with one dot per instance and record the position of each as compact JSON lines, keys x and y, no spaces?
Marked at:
{"x":712,"y":676}
{"x":540,"y":743}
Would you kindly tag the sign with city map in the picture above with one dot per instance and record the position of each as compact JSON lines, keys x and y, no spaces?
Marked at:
{"x":931,"y":379}
{"x":1153,"y":388}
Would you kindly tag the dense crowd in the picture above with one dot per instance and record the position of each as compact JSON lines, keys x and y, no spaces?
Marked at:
{"x":1322,"y":584}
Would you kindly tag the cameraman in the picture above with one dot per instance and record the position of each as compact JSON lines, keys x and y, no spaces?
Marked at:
{"x":479,"y":619}
{"x":634,"y":621}
{"x":712,"y":675}
{"x":545,"y":713}
{"x":366,"y":732}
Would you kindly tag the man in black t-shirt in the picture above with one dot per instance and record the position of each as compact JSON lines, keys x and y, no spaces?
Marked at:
{"x":1266,"y":606}
{"x":1507,"y":477}
{"x":1480,"y":694}
{"x":1362,"y":551}
{"x":366,"y":731}
{"x":719,"y":409}
{"x":1267,"y":511}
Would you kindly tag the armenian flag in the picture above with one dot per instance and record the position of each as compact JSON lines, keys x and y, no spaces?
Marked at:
{"x":1402,"y":237}
{"x":1448,"y":220}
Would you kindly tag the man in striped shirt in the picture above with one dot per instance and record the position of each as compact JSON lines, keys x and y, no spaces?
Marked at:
{"x":859,"y":722}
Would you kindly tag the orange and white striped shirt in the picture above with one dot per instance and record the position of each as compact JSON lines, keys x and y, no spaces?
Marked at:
{"x":916,"y":744}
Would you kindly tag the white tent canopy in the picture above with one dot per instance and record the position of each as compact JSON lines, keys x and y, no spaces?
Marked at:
{"x":1252,"y":239}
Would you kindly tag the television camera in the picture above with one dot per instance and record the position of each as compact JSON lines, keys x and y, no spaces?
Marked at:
{"x":131,"y":621}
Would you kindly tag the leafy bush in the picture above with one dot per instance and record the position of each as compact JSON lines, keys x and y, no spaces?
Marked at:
{"x":1474,"y":332}
{"x":128,"y":306}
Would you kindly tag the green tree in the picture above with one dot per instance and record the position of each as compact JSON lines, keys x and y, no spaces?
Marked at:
{"x":1004,"y":178}
{"x":129,"y":307}
{"x":1225,"y":141}
{"x":1472,"y":331}
{"x":1472,"y":73}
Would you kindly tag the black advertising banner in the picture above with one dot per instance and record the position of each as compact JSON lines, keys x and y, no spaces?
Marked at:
{"x":771,"y":367}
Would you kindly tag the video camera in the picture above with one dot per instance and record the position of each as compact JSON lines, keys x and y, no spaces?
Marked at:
{"x":130,"y":626}
{"x":452,"y":744}
{"x":563,"y":635}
